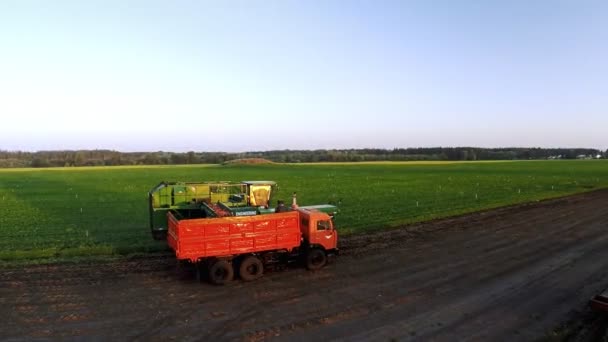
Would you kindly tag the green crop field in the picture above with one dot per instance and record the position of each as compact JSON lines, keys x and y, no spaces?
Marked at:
{"x":103,"y":211}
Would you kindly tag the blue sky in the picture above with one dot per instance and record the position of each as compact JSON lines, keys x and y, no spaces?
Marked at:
{"x":260,"y":75}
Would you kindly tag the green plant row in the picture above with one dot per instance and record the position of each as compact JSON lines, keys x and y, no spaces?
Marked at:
{"x":103,"y":211}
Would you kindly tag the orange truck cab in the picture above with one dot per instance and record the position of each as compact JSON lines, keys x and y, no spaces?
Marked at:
{"x":318,"y":230}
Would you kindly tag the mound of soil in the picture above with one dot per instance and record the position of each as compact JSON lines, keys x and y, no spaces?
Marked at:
{"x":248,"y":161}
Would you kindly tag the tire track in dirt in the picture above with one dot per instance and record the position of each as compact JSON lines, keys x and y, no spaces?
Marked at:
{"x":436,"y":286}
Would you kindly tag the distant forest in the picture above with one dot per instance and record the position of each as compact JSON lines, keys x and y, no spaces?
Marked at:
{"x":10,"y":159}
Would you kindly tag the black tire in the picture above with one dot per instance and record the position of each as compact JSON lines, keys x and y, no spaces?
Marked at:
{"x":221,"y":272}
{"x":316,"y":259}
{"x":251,"y":268}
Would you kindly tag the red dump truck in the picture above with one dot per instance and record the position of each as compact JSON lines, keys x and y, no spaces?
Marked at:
{"x":224,"y":245}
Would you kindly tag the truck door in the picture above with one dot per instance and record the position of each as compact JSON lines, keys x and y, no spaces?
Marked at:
{"x":325,"y":235}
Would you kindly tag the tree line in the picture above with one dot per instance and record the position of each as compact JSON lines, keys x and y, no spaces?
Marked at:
{"x":9,"y":159}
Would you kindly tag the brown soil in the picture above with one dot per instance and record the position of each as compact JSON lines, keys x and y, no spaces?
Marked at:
{"x":509,"y":274}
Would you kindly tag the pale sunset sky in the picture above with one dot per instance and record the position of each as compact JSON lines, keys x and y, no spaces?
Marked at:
{"x":261,"y":75}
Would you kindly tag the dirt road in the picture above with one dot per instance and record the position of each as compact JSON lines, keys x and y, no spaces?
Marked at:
{"x":508,"y":274}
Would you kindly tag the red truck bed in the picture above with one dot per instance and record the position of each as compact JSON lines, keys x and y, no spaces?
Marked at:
{"x":193,"y":239}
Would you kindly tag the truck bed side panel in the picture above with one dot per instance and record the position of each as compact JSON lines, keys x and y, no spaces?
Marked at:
{"x":199,"y":238}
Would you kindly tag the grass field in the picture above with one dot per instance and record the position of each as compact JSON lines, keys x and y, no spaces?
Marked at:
{"x":67,"y":212}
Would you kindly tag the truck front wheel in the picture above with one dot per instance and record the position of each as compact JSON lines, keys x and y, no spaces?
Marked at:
{"x":251,"y":268}
{"x":316,"y":259}
{"x":221,"y":272}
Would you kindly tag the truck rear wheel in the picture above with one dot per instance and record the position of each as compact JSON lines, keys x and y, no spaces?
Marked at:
{"x":251,"y":268}
{"x":221,"y":272}
{"x":316,"y":259}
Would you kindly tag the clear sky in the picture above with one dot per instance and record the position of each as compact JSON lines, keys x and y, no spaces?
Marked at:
{"x":259,"y":75}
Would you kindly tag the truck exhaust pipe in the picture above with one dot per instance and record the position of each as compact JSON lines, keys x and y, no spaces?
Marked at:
{"x":294,"y":203}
